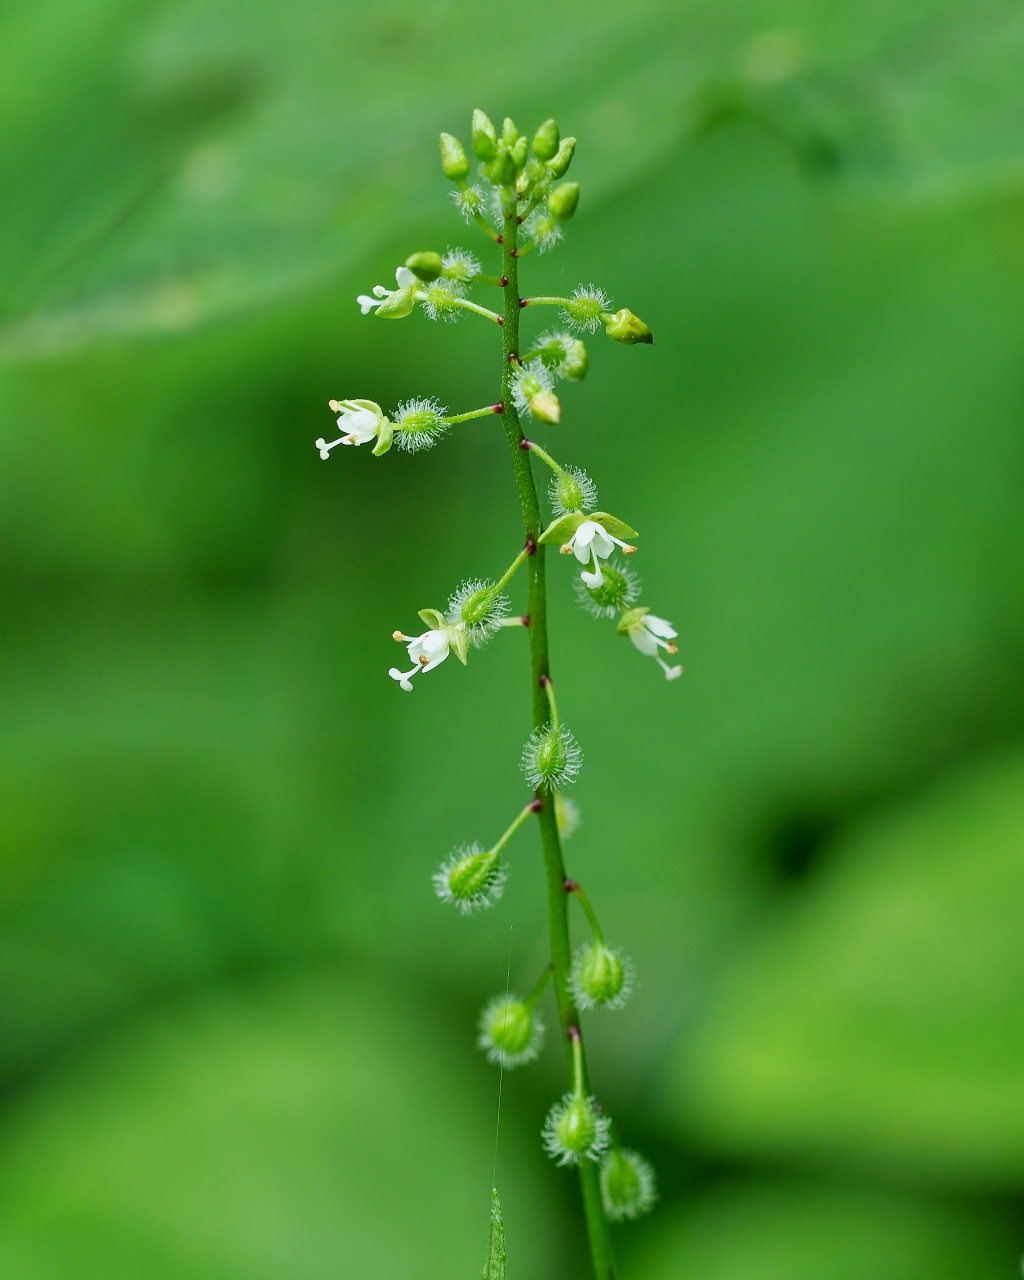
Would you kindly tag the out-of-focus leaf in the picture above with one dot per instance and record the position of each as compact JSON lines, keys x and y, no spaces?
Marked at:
{"x":303,"y":1128}
{"x":876,"y":1020}
{"x":786,"y":1229}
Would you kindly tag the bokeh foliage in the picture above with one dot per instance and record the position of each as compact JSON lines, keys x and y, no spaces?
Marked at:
{"x":235,"y":1029}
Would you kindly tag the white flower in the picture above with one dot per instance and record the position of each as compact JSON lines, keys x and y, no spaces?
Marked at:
{"x":404,"y":278}
{"x":426,"y":652}
{"x":359,"y":422}
{"x":650,"y":634}
{"x":593,"y":543}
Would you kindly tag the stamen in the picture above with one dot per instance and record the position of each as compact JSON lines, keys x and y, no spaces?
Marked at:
{"x":423,"y":660}
{"x":397,"y":635}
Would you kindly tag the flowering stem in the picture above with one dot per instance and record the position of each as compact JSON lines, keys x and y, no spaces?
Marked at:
{"x":546,"y":457}
{"x":588,"y":909}
{"x":474,"y":413}
{"x":507,"y":575}
{"x":538,"y":990}
{"x":481,"y":311}
{"x":514,"y":826}
{"x":544,"y":302}
{"x":558,"y":916}
{"x":549,"y":689}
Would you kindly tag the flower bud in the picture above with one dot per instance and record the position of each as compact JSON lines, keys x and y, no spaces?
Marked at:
{"x":502,"y":169}
{"x":470,"y":878}
{"x":485,"y":139}
{"x":624,"y":326}
{"x":551,"y":758}
{"x":627,"y":1185}
{"x":574,"y":1131}
{"x":454,"y":161}
{"x":511,"y":1033}
{"x":509,"y":132}
{"x":520,"y":152}
{"x":563,"y":200}
{"x":562,"y":159}
{"x":601,"y":977}
{"x":545,"y":140}
{"x":572,"y":490}
{"x":398,"y":304}
{"x":545,"y":407}
{"x":426,"y":265}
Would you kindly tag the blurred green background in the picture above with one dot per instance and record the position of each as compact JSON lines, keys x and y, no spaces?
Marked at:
{"x":236,"y":1029}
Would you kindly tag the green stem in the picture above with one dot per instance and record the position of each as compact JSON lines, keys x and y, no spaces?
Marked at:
{"x":588,"y":911}
{"x":507,"y":575}
{"x":474,"y":413}
{"x":514,"y":826}
{"x":546,"y":457}
{"x":598,"y":1233}
{"x":546,"y":302}
{"x":481,"y":311}
{"x":549,"y":689}
{"x":538,"y":990}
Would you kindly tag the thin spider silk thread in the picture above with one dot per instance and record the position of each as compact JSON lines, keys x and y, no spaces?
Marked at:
{"x":501,"y":1065}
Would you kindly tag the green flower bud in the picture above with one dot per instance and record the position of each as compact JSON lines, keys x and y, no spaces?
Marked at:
{"x":454,"y":161}
{"x":563,"y":200}
{"x":485,"y":139}
{"x":627,"y":1185}
{"x":470,"y":878}
{"x":600,"y":977}
{"x":575,"y":1131}
{"x":546,"y":407}
{"x":510,"y":1032}
{"x":509,"y":132}
{"x":545,"y":140}
{"x":562,"y":158}
{"x":551,"y":758}
{"x":426,"y":265}
{"x":398,"y":304}
{"x":624,"y":326}
{"x":520,"y":152}
{"x":502,"y":169}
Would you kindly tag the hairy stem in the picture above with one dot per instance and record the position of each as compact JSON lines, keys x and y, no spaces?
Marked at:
{"x":540,"y":667}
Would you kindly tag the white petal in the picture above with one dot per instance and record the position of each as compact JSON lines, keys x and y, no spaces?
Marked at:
{"x":405,"y":277}
{"x":660,"y":627}
{"x":671,"y":673}
{"x":366,"y":304}
{"x":644,"y":641}
{"x":595,"y":579}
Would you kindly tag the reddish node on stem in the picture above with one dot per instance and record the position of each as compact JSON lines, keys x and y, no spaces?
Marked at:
{"x":526,"y":619}
{"x":515,"y":253}
{"x":530,"y":547}
{"x":499,"y":240}
{"x":570,"y":886}
{"x":535,"y":806}
{"x":524,"y":302}
{"x":573,"y":1033}
{"x":519,"y":220}
{"x":498,"y":408}
{"x":544,"y":681}
{"x":525,"y":444}
{"x":501,"y":319}
{"x":503,"y":281}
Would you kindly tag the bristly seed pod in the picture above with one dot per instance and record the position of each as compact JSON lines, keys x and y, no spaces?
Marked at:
{"x":619,"y":591}
{"x":571,"y":491}
{"x":479,"y":607}
{"x":470,"y":878}
{"x":601,"y":977}
{"x":628,"y":1186}
{"x":511,"y":1033}
{"x":551,"y":758}
{"x":419,"y":424}
{"x":575,"y":1130}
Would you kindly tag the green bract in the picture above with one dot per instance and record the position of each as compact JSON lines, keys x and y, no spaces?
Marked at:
{"x":427,"y":265}
{"x":561,"y":530}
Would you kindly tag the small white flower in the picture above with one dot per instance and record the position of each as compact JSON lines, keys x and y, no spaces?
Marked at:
{"x":359,"y":422}
{"x":404,"y":278}
{"x":592,"y":543}
{"x":426,"y":652}
{"x":650,"y":635}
